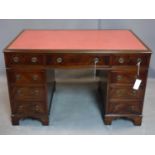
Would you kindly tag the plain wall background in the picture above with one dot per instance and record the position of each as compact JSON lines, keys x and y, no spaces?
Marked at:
{"x":143,"y":28}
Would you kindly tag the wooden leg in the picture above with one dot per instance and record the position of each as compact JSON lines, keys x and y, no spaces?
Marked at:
{"x":137,"y":120}
{"x":44,"y":120}
{"x":15,"y":120}
{"x":108,"y":120}
{"x":45,"y":123}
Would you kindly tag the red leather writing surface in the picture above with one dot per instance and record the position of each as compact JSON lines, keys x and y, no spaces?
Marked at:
{"x":77,"y":40}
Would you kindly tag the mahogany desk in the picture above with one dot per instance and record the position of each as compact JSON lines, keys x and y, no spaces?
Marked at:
{"x":115,"y":52}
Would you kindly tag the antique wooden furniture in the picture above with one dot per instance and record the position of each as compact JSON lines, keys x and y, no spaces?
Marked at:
{"x":115,"y":53}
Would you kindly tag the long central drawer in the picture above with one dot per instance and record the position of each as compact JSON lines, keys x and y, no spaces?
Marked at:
{"x":65,"y":60}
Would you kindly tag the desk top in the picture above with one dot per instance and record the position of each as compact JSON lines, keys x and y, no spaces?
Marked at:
{"x":77,"y":40}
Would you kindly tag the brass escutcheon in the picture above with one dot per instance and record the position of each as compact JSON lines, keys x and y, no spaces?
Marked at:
{"x":121,"y":60}
{"x":16,"y":59}
{"x":59,"y":60}
{"x":34,"y":59}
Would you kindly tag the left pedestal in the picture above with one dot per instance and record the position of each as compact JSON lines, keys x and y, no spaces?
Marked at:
{"x":30,"y":91}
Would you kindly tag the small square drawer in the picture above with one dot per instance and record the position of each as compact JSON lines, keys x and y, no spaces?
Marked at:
{"x":67,"y":60}
{"x":128,"y":77}
{"x":24,"y":59}
{"x":22,"y":93}
{"x":125,"y":107}
{"x":29,"y":108}
{"x":130,"y":59}
{"x":26,"y":76}
{"x":125,"y":92}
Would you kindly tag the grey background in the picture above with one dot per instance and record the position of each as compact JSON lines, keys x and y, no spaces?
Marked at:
{"x":143,"y":28}
{"x":75,"y":106}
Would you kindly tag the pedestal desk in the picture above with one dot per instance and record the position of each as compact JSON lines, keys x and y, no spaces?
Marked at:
{"x":119,"y":56}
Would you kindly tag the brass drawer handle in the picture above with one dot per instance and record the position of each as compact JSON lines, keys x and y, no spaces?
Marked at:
{"x":133,"y":93}
{"x":131,"y":108}
{"x":59,"y":60}
{"x":35,"y":77}
{"x":34,"y":59}
{"x":119,"y":92}
{"x":119,"y":77}
{"x":121,"y":60}
{"x":35,"y":92}
{"x":37,"y":108}
{"x":18,"y":77}
{"x":15,"y":59}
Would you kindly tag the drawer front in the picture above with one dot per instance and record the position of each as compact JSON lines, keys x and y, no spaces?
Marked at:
{"x":29,"y":107}
{"x":132,"y":59}
{"x":127,"y":76}
{"x":125,"y":107}
{"x":28,"y":93}
{"x":24,"y":59}
{"x":125,"y":92}
{"x":26,"y":77}
{"x":77,"y":59}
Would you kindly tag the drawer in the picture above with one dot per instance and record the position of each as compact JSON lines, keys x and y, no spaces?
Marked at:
{"x":77,"y":59}
{"x":125,"y":92}
{"x":29,"y":108}
{"x":21,"y":93}
{"x":24,"y":59}
{"x":26,"y":77}
{"x":125,"y":107}
{"x":130,"y":59}
{"x":128,"y":77}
